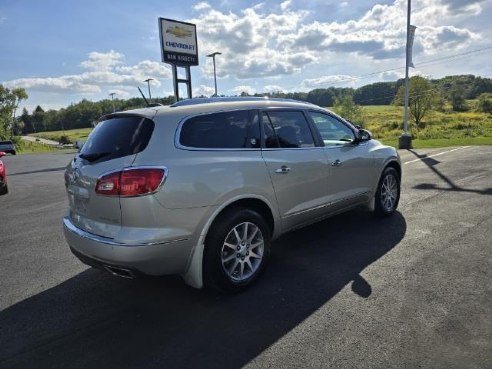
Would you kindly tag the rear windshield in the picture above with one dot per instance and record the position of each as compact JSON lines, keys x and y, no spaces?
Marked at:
{"x":117,"y":137}
{"x":6,"y":143}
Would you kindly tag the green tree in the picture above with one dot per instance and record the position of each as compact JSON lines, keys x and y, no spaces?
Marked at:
{"x":421,"y":98}
{"x":485,"y":103}
{"x":458,"y":98}
{"x":9,"y":102}
{"x":26,"y":119}
{"x":349,"y":110}
{"x":38,"y":119}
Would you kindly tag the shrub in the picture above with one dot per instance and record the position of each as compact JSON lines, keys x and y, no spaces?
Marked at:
{"x":64,"y":140}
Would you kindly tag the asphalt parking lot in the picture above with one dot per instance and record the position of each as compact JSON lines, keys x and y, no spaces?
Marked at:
{"x":410,"y":291}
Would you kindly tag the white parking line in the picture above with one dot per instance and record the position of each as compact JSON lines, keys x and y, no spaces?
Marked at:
{"x":431,"y":156}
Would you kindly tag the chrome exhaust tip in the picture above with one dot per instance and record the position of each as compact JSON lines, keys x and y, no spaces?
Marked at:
{"x":120,"y":272}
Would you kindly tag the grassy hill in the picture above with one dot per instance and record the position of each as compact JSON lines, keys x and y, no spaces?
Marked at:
{"x":385,"y":122}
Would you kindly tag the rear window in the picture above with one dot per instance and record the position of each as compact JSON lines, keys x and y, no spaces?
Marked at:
{"x":118,"y":137}
{"x":224,"y":130}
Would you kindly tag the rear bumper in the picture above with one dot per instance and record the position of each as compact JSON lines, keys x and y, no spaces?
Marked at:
{"x":157,"y":258}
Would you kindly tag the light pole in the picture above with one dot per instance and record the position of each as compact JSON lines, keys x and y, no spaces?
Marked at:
{"x":112,"y":99}
{"x":405,"y":141}
{"x":148,"y":85}
{"x":215,"y":76}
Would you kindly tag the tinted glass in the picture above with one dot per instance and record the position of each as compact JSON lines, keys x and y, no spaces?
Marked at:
{"x":225,"y":130}
{"x":118,"y":137}
{"x":332,"y":130}
{"x":286,"y":129}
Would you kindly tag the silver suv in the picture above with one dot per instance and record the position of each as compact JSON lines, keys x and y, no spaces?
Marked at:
{"x":202,"y":187}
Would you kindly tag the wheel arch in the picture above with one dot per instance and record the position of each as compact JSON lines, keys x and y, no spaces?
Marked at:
{"x":395,"y":165}
{"x":194,"y":273}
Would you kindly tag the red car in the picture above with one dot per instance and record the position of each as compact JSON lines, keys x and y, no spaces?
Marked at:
{"x":3,"y":177}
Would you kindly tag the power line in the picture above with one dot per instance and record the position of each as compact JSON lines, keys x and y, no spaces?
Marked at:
{"x":485,"y":50}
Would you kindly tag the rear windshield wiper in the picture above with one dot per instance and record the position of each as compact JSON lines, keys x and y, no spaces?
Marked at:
{"x":94,"y":156}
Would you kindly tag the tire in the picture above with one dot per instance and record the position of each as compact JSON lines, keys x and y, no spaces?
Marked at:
{"x":236,"y":250}
{"x":387,"y":193}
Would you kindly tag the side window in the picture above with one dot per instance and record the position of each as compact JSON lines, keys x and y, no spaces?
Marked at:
{"x":225,"y":130}
{"x":333,"y":132}
{"x":286,"y":129}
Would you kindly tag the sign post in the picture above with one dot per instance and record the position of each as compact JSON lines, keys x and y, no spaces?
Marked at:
{"x":179,"y":47}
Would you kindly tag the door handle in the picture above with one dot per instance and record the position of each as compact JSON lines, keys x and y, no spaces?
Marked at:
{"x":337,"y":163}
{"x":283,"y":170}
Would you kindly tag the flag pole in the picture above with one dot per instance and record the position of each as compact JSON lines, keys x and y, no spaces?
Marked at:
{"x":405,"y":141}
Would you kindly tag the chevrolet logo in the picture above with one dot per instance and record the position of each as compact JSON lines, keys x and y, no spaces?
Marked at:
{"x":179,"y":31}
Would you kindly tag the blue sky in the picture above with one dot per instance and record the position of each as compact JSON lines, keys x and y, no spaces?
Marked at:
{"x":62,"y":51}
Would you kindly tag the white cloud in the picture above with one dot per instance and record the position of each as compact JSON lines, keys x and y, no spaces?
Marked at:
{"x":71,"y":83}
{"x":106,"y":70}
{"x":203,"y":5}
{"x":435,"y":38}
{"x":326,"y":81}
{"x":121,"y":93}
{"x":203,"y":90}
{"x":273,"y":88}
{"x":284,"y":5}
{"x":259,"y":44}
{"x":102,"y":61}
{"x":239,"y":89}
{"x":391,"y":75}
{"x":250,"y":42}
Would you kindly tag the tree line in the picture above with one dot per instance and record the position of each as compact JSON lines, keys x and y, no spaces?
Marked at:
{"x":425,"y":94}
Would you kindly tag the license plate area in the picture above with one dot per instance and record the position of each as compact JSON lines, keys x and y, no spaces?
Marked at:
{"x":79,"y":205}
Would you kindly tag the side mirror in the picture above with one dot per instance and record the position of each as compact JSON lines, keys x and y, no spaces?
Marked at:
{"x":363,"y":135}
{"x":2,"y":154}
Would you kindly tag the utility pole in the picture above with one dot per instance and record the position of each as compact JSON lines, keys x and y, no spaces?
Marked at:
{"x":405,"y":140}
{"x":112,"y":99}
{"x":13,"y":124}
{"x":148,"y":85}
{"x":215,"y":76}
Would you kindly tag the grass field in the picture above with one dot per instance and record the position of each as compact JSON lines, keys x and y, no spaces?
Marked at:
{"x":73,"y":135}
{"x":28,"y":147}
{"x":386,"y":124}
{"x":438,"y":130}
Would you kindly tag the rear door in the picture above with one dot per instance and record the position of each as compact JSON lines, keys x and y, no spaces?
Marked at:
{"x":111,"y":146}
{"x":297,"y":167}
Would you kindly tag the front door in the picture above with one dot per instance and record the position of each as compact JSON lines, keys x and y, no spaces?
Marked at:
{"x":352,"y":165}
{"x":298,"y":168}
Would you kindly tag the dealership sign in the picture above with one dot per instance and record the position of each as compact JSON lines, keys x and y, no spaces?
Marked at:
{"x":178,"y":42}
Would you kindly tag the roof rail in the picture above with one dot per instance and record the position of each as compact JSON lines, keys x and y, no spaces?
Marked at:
{"x":208,"y":100}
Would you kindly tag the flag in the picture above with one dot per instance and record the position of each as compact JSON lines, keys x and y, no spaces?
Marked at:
{"x":411,"y":36}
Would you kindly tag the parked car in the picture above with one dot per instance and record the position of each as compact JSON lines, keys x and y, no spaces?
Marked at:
{"x":8,"y":147}
{"x":3,"y":176}
{"x":202,"y":187}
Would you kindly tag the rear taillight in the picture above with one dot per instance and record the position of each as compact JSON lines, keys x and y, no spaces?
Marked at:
{"x":131,"y":182}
